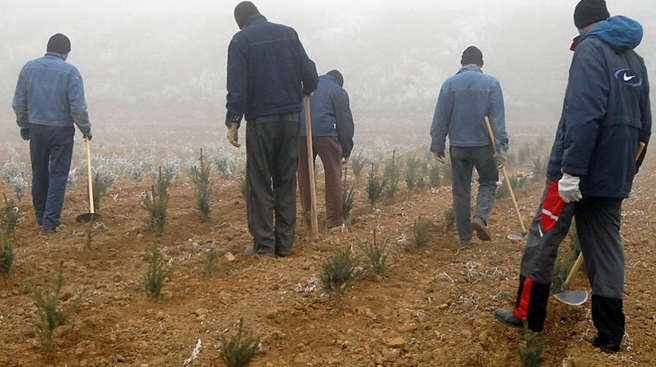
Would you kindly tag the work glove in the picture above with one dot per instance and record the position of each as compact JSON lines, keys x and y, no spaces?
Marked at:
{"x":233,"y":134}
{"x":88,"y":135}
{"x":25,"y":133}
{"x":440,"y":156}
{"x":568,"y":188}
{"x":501,"y":156}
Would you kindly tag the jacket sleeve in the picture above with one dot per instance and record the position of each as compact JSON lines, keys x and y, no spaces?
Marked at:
{"x":344,"y":122}
{"x":441,"y":120}
{"x":497,"y":114}
{"x":588,"y":90}
{"x":77,"y":102}
{"x":20,"y":102}
{"x":237,"y":84}
{"x":309,"y":75}
{"x":645,"y":132}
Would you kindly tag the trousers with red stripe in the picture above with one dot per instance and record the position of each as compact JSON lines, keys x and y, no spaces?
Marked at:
{"x":598,"y":226}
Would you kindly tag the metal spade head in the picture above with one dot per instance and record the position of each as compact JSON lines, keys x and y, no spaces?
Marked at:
{"x":572,"y":298}
{"x":88,"y":218}
{"x":517,"y":237}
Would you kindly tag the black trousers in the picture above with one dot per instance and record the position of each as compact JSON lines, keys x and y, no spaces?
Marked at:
{"x":272,"y":162}
{"x":598,"y":223}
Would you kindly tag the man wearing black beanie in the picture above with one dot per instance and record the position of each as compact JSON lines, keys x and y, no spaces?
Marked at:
{"x":465,"y":100}
{"x":606,"y":118}
{"x":49,"y":101}
{"x":268,"y":75}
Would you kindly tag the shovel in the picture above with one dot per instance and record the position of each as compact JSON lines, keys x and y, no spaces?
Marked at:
{"x":577,"y":298}
{"x":512,"y":236}
{"x":310,"y":158}
{"x":91,"y":216}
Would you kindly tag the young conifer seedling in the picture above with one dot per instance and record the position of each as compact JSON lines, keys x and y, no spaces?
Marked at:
{"x":201,"y":175}
{"x":240,"y":349}
{"x":157,"y":273}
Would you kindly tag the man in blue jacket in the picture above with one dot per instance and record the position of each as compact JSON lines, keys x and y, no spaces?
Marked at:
{"x":268,"y":75}
{"x":332,"y":140}
{"x":606,"y":116}
{"x":465,"y":100}
{"x":48,"y":101}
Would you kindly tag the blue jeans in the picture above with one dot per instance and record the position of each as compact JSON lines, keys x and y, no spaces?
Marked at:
{"x":463,"y":161}
{"x":51,"y":152}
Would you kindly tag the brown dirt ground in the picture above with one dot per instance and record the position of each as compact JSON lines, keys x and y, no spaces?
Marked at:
{"x":442,"y":311}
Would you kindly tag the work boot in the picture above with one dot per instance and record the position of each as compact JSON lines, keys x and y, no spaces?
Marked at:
{"x":59,"y":228}
{"x":606,"y":346}
{"x":482,"y":232}
{"x":250,"y":250}
{"x":508,"y":318}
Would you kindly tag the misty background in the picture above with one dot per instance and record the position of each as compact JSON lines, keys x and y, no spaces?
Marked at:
{"x":161,"y":64}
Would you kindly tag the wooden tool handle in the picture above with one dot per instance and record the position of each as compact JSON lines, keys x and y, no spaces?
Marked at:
{"x":310,"y":158}
{"x":90,"y":176}
{"x":507,"y":179}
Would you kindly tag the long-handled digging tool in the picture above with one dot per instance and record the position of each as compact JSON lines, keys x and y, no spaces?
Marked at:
{"x":574,"y":297}
{"x":91,"y":216}
{"x":310,"y":158}
{"x":512,"y":236}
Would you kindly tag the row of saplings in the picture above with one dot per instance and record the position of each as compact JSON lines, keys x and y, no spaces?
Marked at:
{"x":338,"y":272}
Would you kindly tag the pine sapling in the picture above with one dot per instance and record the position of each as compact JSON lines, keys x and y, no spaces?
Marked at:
{"x":348,"y":196}
{"x":6,"y":255}
{"x":50,"y":313}
{"x":375,"y":252}
{"x":392,"y":178}
{"x":375,"y":187}
{"x":9,"y":215}
{"x":411,"y":169}
{"x":156,"y":203}
{"x":201,"y":176}
{"x":434,"y":176}
{"x":210,"y":261}
{"x":358,"y":162}
{"x":91,"y":230}
{"x":449,"y":219}
{"x":157,"y":273}
{"x":240,"y":349}
{"x":338,"y":272}
{"x":530,"y":348}
{"x":420,"y":233}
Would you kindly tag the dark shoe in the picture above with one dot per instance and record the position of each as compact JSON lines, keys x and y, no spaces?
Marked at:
{"x":482,"y":232}
{"x":508,"y":318}
{"x":605,"y":345}
{"x":334,"y":224}
{"x":250,"y":250}
{"x":60,"y":228}
{"x":283,"y":253}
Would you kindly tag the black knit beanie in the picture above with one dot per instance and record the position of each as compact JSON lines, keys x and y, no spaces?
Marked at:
{"x":472,"y":55}
{"x":59,"y":44}
{"x":337,"y":76}
{"x":244,"y":11}
{"x":590,"y":11}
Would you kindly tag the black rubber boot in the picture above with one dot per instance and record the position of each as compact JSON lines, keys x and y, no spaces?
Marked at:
{"x":606,"y":346}
{"x":507,"y":318}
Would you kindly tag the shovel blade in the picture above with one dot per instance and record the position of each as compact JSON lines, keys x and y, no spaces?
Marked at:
{"x":516,"y":237}
{"x":88,"y":218}
{"x":572,"y":298}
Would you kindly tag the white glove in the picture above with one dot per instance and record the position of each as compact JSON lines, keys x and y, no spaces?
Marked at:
{"x":568,"y":187}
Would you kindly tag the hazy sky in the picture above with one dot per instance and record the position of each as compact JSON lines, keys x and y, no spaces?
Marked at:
{"x":153,"y":60}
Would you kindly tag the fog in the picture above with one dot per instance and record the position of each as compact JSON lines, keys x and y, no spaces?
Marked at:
{"x":162,"y":62}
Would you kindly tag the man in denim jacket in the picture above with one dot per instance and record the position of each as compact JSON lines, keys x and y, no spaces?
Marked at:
{"x":48,"y":101}
{"x":465,"y":100}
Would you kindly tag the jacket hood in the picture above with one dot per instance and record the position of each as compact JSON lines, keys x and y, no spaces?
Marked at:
{"x":620,"y":32}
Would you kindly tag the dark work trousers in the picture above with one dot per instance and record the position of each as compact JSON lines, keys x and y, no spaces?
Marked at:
{"x":272,"y":150}
{"x":330,"y":152}
{"x":51,"y":151}
{"x":598,"y":228}
{"x":463,"y":160}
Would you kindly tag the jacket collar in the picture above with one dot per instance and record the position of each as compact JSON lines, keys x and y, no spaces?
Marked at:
{"x":469,"y":68}
{"x":255,"y":19}
{"x":54,"y":55}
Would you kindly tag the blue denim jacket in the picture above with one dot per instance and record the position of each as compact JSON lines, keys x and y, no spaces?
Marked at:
{"x":50,"y":92}
{"x":331,"y":114}
{"x":465,"y":99}
{"x":268,"y":71}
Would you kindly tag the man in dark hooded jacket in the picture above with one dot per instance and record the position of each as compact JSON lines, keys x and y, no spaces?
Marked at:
{"x":268,"y":75}
{"x":606,"y":116}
